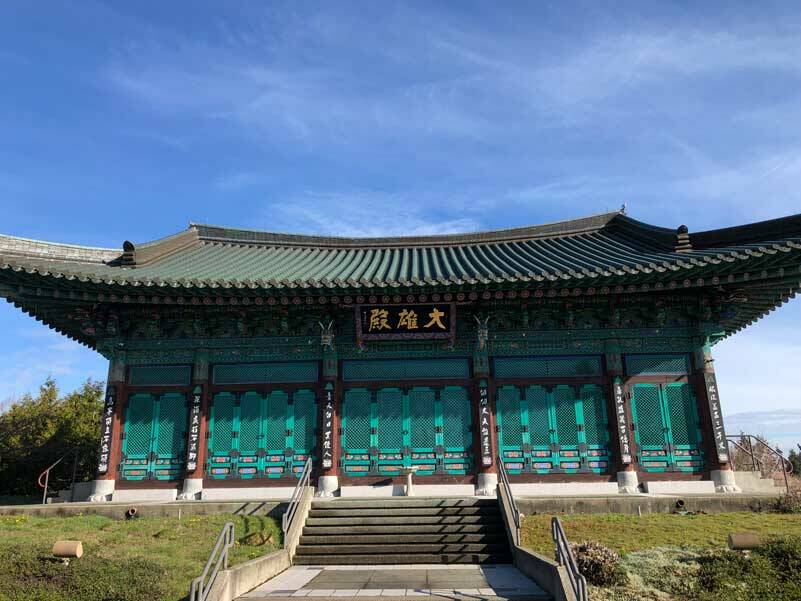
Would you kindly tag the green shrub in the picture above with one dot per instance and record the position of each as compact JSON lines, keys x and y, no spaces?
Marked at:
{"x":789,"y":503}
{"x":28,"y":573}
{"x":600,"y":565}
{"x":772,"y":571}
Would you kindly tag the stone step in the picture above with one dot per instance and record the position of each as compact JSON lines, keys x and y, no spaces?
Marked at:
{"x":390,"y":549}
{"x":405,"y":528}
{"x":394,"y":538}
{"x":402,"y":511}
{"x":403,"y":559}
{"x":379,"y":503}
{"x":399,"y":520}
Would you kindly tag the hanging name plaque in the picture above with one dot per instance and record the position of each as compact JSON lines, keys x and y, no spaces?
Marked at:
{"x":484,"y":425}
{"x":406,"y":322}
{"x":193,"y":445}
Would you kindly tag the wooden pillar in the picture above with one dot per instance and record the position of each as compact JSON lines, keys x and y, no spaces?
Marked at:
{"x":111,"y":426}
{"x":328,"y":443}
{"x":711,"y":413}
{"x":197,"y":428}
{"x":485,"y":443}
{"x":620,"y":422}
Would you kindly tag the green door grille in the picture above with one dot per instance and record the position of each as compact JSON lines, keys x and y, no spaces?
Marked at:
{"x":422,"y":429}
{"x":138,"y":433}
{"x":539,"y":427}
{"x":170,"y":436}
{"x":667,"y":429}
{"x":276,"y":432}
{"x":221,"y":432}
{"x":303,"y":429}
{"x":424,"y":426}
{"x":553,"y":429}
{"x":155,"y":435}
{"x":388,"y":422}
{"x":356,"y":431}
{"x":457,"y":434}
{"x":250,"y":439}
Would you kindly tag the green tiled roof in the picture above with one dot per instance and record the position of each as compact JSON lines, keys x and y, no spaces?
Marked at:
{"x":589,"y":251}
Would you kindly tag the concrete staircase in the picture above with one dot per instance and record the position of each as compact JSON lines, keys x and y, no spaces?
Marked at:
{"x":403,"y":531}
{"x":753,"y":482}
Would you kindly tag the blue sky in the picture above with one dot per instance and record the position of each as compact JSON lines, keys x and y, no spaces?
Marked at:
{"x":125,"y":120}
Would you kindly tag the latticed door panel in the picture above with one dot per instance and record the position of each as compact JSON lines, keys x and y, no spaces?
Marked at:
{"x":596,"y":428}
{"x":304,"y":411}
{"x":221,"y":435}
{"x":457,"y":434}
{"x":249,"y":441}
{"x":651,"y":428}
{"x":540,"y":429}
{"x":136,"y":446}
{"x":422,"y":438}
{"x":169,"y":438}
{"x":567,"y":427}
{"x":275,"y":434}
{"x":510,"y":428}
{"x":684,"y":428}
{"x":356,"y":431}
{"x":391,"y":429}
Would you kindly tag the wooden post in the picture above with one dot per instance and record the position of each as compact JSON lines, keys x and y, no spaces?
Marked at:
{"x":328,"y":444}
{"x":197,"y":428}
{"x":620,"y":420}
{"x":485,"y":441}
{"x":711,"y":414}
{"x":111,"y":428}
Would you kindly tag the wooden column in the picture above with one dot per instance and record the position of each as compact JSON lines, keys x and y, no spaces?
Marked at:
{"x":328,"y":419}
{"x":711,"y":413}
{"x":197,"y":429}
{"x":485,"y":443}
{"x":111,"y":425}
{"x":620,"y":421}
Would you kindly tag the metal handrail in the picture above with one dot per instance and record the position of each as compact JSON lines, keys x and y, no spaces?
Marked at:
{"x":46,"y":475}
{"x":565,"y":557}
{"x":504,"y":482}
{"x":757,"y":464}
{"x":201,"y":585}
{"x":294,"y":500}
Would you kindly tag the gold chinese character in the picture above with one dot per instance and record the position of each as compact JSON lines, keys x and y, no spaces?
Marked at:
{"x":408,"y":319}
{"x":436,"y":319}
{"x":378,"y":320}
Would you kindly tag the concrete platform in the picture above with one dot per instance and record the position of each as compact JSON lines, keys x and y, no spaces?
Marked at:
{"x":562,"y":489}
{"x":486,"y":582}
{"x":680,"y":487}
{"x":399,"y":490}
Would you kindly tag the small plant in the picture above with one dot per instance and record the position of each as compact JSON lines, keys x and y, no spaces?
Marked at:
{"x":600,"y":565}
{"x":789,"y":503}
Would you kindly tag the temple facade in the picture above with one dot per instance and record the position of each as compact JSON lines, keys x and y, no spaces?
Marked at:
{"x":577,"y":354}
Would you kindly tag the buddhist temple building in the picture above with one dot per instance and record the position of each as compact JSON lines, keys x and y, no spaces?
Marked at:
{"x":576,"y":353}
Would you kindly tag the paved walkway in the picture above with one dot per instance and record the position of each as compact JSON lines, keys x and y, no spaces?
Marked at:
{"x":473,"y":582}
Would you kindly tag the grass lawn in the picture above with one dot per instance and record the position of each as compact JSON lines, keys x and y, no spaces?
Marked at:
{"x":631,"y":533}
{"x":166,"y":552}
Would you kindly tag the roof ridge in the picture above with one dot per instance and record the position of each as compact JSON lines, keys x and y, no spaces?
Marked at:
{"x":252,"y":236}
{"x":18,"y":245}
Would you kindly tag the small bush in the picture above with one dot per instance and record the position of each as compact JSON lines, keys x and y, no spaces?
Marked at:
{"x":769,"y":572}
{"x":789,"y":503}
{"x":600,"y":565}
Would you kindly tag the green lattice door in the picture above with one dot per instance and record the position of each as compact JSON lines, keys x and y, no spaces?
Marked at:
{"x":154,"y":437}
{"x":561,"y":428}
{"x":256,"y":436}
{"x":393,"y":428}
{"x":667,"y":427}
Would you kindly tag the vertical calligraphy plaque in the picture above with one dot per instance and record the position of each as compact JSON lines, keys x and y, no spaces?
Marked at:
{"x":193,"y":445}
{"x":328,"y":429}
{"x":484,"y":424}
{"x":106,"y":430}
{"x":721,"y":444}
{"x":622,"y":419}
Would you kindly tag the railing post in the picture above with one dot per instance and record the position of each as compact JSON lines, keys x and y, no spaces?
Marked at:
{"x":44,"y":493}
